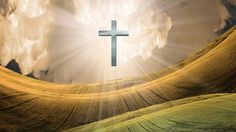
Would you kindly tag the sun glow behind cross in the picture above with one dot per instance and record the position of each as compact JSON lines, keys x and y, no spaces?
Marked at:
{"x":147,"y":25}
{"x":90,"y":54}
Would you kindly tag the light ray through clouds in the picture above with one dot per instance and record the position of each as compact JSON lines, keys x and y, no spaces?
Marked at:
{"x":148,"y":30}
{"x":66,"y":42}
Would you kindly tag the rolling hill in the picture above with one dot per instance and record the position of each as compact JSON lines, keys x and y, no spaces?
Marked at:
{"x":152,"y":101}
{"x":215,"y":112}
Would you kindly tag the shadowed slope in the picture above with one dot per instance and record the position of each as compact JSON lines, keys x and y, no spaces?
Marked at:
{"x":32,"y":105}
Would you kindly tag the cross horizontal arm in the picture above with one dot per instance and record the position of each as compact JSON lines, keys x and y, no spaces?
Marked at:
{"x":113,"y":33}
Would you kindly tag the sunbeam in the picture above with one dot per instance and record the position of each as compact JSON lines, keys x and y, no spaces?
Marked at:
{"x":66,"y":47}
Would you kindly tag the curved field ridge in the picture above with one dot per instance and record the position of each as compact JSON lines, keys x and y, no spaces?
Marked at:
{"x":216,"y":112}
{"x":31,"y":105}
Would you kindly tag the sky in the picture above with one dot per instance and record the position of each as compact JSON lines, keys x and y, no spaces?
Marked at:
{"x":58,"y":40}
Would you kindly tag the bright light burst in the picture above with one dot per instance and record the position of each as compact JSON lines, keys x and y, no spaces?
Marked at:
{"x":76,"y":36}
{"x":147,"y":25}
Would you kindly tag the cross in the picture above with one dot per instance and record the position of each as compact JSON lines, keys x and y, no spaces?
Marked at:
{"x":113,"y":33}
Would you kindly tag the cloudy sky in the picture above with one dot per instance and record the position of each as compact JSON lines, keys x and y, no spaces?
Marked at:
{"x":58,"y":40}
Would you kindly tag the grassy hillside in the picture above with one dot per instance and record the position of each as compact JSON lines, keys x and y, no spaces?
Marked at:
{"x":27,"y":104}
{"x":215,"y":112}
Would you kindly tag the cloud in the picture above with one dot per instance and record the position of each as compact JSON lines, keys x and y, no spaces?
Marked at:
{"x":228,"y":16}
{"x":24,"y":34}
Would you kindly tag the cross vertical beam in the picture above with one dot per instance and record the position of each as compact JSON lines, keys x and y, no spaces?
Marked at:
{"x":113,"y":33}
{"x":113,"y":44}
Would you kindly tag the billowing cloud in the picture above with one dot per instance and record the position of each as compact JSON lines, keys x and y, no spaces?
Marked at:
{"x":24,"y":28}
{"x":228,"y":16}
